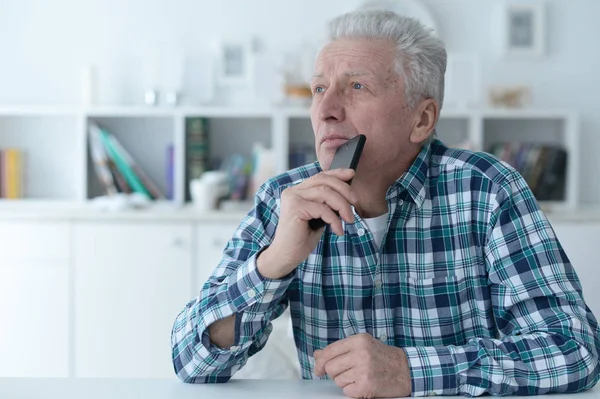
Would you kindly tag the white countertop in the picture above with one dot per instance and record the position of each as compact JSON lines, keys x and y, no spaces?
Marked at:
{"x":164,"y":211}
{"x":59,"y":210}
{"x":67,"y":388}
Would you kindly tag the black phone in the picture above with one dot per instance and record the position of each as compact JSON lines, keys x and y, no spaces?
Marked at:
{"x":346,"y":156}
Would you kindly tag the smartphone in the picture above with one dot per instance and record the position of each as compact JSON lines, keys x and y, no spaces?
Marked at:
{"x":346,"y":156}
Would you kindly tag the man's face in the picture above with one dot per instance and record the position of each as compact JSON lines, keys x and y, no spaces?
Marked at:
{"x":356,"y":90}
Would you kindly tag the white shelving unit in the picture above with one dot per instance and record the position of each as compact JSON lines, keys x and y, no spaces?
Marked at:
{"x":59,"y":169}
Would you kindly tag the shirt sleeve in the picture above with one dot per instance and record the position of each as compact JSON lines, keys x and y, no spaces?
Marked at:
{"x":235,"y":287}
{"x":548,"y":337}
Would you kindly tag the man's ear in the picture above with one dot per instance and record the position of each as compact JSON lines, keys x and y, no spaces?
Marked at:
{"x":424,"y":118}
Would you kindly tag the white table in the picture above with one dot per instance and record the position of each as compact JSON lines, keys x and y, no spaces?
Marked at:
{"x":79,"y":388}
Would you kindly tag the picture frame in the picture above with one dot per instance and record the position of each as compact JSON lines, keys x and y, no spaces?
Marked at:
{"x":235,"y":63}
{"x":524,"y":34}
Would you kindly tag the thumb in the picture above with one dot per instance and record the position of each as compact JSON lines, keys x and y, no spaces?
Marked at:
{"x":342,"y":173}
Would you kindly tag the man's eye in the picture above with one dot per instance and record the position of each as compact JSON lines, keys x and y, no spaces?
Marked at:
{"x":358,"y":86}
{"x":319,"y":89}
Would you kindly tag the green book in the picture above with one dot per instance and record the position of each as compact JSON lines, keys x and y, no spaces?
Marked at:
{"x":130,"y":176}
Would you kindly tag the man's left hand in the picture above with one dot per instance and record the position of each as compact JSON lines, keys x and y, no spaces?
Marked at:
{"x":364,"y":367}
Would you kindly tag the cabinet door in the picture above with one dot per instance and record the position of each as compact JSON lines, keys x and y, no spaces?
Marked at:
{"x":131,"y":280}
{"x":580,"y":242}
{"x":34,"y":326}
{"x":34,"y":299}
{"x":210,"y":242}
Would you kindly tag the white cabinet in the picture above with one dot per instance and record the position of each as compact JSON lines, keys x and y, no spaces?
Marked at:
{"x":209,"y":244}
{"x":34,"y":299}
{"x":580,"y":242}
{"x":131,"y":280}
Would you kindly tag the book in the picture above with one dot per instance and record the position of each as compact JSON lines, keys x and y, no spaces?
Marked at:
{"x":142,"y":176}
{"x":101,"y":161}
{"x":170,"y":165}
{"x":122,"y":185}
{"x":132,"y":180}
{"x":12,"y":173}
{"x":196,"y":150}
{"x":2,"y":178}
{"x":543,"y":166}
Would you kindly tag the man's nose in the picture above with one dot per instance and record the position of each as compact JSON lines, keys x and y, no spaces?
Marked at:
{"x":331,"y":107}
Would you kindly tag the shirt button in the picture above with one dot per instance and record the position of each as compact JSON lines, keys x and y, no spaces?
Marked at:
{"x":400,"y":202}
{"x":251,"y":293}
{"x":378,"y":283}
{"x":234,"y":348}
{"x":383,"y":337}
{"x":361,"y":232}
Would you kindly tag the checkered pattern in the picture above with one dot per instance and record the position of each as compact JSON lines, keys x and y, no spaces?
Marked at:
{"x":470,"y":281}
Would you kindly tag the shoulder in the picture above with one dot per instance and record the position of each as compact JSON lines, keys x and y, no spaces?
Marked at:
{"x":467,"y":164}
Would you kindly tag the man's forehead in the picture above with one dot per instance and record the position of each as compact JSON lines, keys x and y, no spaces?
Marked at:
{"x":348,"y":73}
{"x":355,"y":58}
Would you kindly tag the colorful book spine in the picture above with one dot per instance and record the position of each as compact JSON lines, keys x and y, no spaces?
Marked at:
{"x":543,"y":167}
{"x":143,"y":177}
{"x":2,"y":175}
{"x":118,"y":178}
{"x":170,"y":164}
{"x":12,"y":174}
{"x":197,"y":150}
{"x":129,"y":175}
{"x":101,"y":161}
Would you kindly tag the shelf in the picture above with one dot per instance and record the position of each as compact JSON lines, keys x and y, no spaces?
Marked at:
{"x":526,"y":114}
{"x":128,"y":112}
{"x":36,"y":210}
{"x":226,"y":112}
{"x":39,"y":110}
{"x":145,"y":138}
{"x":55,"y":138}
{"x":51,"y":171}
{"x":289,"y":111}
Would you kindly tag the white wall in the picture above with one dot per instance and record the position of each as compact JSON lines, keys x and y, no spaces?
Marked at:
{"x":44,"y":44}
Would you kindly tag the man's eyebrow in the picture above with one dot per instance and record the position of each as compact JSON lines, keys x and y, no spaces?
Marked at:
{"x":318,"y":75}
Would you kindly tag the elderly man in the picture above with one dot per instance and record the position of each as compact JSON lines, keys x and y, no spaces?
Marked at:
{"x":440,"y":275}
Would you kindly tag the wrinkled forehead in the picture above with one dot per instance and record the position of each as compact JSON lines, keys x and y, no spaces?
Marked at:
{"x":369,"y":55}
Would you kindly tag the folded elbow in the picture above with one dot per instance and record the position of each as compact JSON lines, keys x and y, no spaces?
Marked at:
{"x":589,"y":375}
{"x":190,"y":372}
{"x":593,"y":375}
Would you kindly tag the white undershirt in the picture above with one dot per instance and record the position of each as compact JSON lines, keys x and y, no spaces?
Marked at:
{"x":377,"y":226}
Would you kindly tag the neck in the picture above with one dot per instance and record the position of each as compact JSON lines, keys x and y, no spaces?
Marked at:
{"x":370,"y":187}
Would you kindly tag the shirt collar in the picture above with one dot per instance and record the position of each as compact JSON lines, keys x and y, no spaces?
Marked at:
{"x":413,"y":180}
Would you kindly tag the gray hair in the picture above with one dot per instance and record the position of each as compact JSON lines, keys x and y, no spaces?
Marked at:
{"x":420,"y":56}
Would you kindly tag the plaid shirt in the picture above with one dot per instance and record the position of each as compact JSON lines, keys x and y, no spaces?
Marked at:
{"x":470,"y":281}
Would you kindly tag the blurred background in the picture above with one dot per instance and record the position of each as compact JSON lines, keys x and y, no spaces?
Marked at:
{"x":133,"y":135}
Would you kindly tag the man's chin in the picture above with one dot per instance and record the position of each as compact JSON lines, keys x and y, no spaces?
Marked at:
{"x":325,"y":157}
{"x":325,"y":161}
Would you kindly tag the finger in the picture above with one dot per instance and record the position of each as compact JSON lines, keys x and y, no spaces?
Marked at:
{"x":358,"y":390}
{"x":340,"y":173}
{"x":346,"y":378}
{"x":336,"y":349}
{"x":319,"y":367}
{"x":333,"y":181}
{"x":329,"y":196}
{"x":339,"y":365}
{"x":314,"y":210}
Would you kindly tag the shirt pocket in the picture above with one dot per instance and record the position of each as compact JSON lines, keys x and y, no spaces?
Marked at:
{"x":432,"y":311}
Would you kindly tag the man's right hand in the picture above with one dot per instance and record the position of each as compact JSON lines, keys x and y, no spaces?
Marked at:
{"x":316,"y":197}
